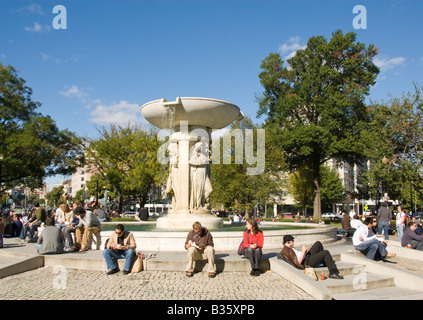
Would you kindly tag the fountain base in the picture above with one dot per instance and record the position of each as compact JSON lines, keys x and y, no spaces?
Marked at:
{"x":183,"y":221}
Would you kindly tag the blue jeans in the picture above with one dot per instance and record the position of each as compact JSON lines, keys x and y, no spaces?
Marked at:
{"x":372,"y":247}
{"x":30,"y":230}
{"x":383,"y":225}
{"x":400,"y":231}
{"x":112,"y":256}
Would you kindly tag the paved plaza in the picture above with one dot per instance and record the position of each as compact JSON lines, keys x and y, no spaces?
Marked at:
{"x":72,"y":284}
{"x":60,"y":283}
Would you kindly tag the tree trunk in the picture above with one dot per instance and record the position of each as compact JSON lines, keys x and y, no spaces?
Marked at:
{"x":317,"y":206}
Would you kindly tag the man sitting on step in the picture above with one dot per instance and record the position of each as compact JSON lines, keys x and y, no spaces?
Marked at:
{"x":312,"y":257}
{"x":410,"y":238}
{"x":88,"y":226}
{"x":121,"y":245}
{"x":373,"y":247}
{"x":200,"y":246}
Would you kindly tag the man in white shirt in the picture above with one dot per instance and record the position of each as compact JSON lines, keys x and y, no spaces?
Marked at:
{"x":355,"y":223}
{"x":370,"y":246}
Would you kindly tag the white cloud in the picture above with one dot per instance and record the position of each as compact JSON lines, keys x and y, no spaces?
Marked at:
{"x":121,"y":113}
{"x":75,"y":92}
{"x":38,"y":28}
{"x":291,"y":47}
{"x":385,"y":64}
{"x":47,"y":57}
{"x":73,"y":58}
{"x":31,"y":9}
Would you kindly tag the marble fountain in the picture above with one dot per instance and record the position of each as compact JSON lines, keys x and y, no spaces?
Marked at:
{"x":188,"y":122}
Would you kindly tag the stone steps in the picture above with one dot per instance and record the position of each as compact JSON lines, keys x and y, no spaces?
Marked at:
{"x":363,"y":279}
{"x":354,"y":283}
{"x":15,"y":265}
{"x":385,"y":293}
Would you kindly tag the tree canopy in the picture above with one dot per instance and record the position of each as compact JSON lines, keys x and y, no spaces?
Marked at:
{"x":31,"y":145}
{"x":233,"y":186}
{"x":314,"y":104}
{"x":126,"y":158}
{"x":394,"y":150}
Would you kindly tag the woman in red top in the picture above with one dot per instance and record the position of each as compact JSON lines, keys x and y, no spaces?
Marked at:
{"x":253,"y":242}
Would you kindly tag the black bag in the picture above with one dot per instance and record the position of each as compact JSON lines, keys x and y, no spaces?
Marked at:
{"x":241,"y":247}
{"x":281,"y":257}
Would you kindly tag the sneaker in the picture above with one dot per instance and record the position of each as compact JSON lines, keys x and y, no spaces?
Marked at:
{"x":335,"y":276}
{"x":125,"y":272}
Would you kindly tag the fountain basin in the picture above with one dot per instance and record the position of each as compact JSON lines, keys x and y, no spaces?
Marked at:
{"x":229,"y":241}
{"x":205,"y":112}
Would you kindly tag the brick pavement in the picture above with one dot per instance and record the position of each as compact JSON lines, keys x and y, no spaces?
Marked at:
{"x":69,"y":284}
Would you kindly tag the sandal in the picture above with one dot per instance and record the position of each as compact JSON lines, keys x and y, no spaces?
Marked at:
{"x":189,"y":274}
{"x":390,"y":255}
{"x":212,"y":274}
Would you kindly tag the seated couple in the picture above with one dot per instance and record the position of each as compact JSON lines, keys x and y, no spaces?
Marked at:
{"x":373,"y":247}
{"x":312,"y":257}
{"x":200,"y":246}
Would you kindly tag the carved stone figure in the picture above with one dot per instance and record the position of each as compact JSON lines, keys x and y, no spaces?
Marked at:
{"x":172,"y":180}
{"x":200,"y":185}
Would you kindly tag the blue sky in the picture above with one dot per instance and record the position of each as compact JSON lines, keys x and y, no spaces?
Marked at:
{"x":115,"y":56}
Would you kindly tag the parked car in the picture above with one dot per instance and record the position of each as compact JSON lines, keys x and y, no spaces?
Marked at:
{"x":331,"y":216}
{"x":367,"y":213}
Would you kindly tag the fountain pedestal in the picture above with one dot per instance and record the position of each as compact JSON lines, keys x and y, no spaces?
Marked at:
{"x":190,"y":121}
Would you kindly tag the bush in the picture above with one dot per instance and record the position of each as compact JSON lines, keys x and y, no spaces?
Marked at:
{"x":122,"y":219}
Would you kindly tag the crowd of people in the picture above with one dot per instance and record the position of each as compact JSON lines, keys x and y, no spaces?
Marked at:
{"x":67,"y":228}
{"x":72,"y":228}
{"x":371,"y":235}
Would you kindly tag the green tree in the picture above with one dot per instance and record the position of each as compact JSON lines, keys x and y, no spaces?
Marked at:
{"x":315,"y":104}
{"x":301,"y":187}
{"x":332,"y":189}
{"x":31,"y":145}
{"x":233,"y":186}
{"x":127,"y":158}
{"x":394,"y":148}
{"x":55,"y":196}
